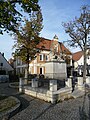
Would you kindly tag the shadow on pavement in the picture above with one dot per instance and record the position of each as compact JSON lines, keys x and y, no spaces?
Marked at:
{"x":82,"y":110}
{"x":24,"y":102}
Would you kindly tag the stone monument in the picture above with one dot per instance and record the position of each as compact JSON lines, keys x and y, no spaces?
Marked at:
{"x":56,"y":67}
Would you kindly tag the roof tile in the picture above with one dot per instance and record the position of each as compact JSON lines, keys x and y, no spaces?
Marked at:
{"x":76,"y":56}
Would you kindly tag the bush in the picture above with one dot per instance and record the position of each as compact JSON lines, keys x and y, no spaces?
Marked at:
{"x":31,"y":76}
{"x":41,"y":76}
{"x":13,"y":78}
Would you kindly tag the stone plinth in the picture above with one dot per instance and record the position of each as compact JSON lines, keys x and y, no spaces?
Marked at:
{"x":47,"y":95}
{"x":88,"y":80}
{"x":21,"y":83}
{"x":26,"y":76}
{"x":80,"y":80}
{"x":80,"y":83}
{"x":69,"y":82}
{"x":55,"y":70}
{"x":34,"y":83}
{"x":53,"y":85}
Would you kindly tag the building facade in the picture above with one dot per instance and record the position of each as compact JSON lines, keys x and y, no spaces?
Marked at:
{"x":47,"y":50}
{"x":78,"y":59}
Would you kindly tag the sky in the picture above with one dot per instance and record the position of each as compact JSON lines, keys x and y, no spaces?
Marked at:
{"x":54,"y":13}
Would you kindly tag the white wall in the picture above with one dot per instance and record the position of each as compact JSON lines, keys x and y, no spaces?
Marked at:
{"x":81,"y":61}
{"x":55,"y":70}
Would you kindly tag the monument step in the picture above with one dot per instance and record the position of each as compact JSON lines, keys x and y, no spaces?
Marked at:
{"x":78,"y":93}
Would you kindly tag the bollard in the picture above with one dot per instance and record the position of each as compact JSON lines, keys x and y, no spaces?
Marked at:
{"x":69,"y":82}
{"x":34,"y":82}
{"x":53,"y":85}
{"x":88,"y":80}
{"x":80,"y":83}
{"x":20,"y":85}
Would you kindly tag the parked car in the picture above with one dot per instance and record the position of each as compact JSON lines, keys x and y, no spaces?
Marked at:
{"x":4,"y":78}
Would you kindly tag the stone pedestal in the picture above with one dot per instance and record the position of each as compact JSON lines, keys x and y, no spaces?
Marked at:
{"x":26,"y":76}
{"x":69,"y":82}
{"x":34,"y":83}
{"x":53,"y":85}
{"x":21,"y":85}
{"x":88,"y":80}
{"x":55,"y":70}
{"x":53,"y":98}
{"x":80,"y":83}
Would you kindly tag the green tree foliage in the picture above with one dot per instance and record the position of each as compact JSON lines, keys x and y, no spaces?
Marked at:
{"x":78,"y":30}
{"x":13,"y":11}
{"x":27,"y":38}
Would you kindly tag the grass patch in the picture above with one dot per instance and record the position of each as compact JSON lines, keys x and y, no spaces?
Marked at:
{"x":6,"y":104}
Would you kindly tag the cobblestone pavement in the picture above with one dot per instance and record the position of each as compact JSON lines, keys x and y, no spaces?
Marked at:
{"x":5,"y":89}
{"x":35,"y":109}
{"x":68,"y":110}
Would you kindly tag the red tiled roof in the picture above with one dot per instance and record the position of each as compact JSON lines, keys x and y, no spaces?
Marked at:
{"x":45,"y":44}
{"x":76,"y":56}
{"x":64,"y":49}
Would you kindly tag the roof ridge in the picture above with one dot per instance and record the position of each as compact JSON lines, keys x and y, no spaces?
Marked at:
{"x":77,"y":52}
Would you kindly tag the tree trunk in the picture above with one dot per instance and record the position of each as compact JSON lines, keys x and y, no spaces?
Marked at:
{"x":85,"y":59}
{"x":84,"y":67}
{"x":27,"y":69}
{"x":27,"y":66}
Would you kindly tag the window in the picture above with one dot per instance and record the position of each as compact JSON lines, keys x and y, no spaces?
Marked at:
{"x":41,"y":57}
{"x":18,"y":61}
{"x":46,"y":57}
{"x":1,"y":64}
{"x":40,"y":70}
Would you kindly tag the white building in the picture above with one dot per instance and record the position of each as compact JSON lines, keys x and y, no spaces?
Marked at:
{"x":46,"y":47}
{"x":79,"y":60}
{"x":4,"y":65}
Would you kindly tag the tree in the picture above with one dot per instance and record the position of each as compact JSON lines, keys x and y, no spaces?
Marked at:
{"x":78,"y":30}
{"x":13,"y":11}
{"x":27,"y":38}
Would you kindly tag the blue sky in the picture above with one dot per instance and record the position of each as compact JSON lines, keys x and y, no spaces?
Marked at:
{"x":54,"y":13}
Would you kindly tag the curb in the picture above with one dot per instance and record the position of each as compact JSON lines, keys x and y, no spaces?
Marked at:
{"x":9,"y":113}
{"x":11,"y":86}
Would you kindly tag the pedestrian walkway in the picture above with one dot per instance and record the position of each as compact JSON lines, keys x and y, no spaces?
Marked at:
{"x":78,"y":93}
{"x":33,"y":110}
